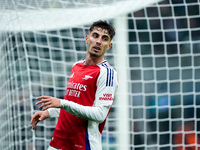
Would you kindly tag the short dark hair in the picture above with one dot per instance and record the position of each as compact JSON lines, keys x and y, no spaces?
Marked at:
{"x":104,"y":25}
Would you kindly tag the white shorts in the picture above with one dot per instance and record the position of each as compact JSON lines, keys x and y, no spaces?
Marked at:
{"x":52,"y":148}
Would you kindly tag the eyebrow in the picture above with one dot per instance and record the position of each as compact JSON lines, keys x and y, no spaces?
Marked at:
{"x":104,"y":35}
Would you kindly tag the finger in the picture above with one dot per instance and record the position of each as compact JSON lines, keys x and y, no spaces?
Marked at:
{"x":33,"y":127}
{"x":44,"y":104}
{"x":35,"y":116}
{"x":45,"y":108}
{"x":41,"y":118}
{"x":32,"y":120}
{"x":34,"y":123}
{"x":42,"y":101}
{"x":42,"y":97}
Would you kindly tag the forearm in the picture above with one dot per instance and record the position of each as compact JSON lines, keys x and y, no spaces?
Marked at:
{"x":97,"y":114}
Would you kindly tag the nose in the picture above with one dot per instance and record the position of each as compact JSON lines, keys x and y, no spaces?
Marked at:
{"x":98,"y":41}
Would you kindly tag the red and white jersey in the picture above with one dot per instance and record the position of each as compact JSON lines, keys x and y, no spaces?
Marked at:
{"x":88,"y":99}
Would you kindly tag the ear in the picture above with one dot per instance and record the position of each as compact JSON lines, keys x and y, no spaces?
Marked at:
{"x":110,"y":45}
{"x":86,"y":39}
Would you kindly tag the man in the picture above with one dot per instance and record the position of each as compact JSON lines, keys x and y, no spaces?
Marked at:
{"x":88,"y":98}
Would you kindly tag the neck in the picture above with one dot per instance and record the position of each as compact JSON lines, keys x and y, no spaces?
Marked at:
{"x":93,"y":60}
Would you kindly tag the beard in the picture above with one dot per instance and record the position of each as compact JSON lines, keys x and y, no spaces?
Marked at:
{"x":94,"y":54}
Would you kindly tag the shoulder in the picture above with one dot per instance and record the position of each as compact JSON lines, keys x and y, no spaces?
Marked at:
{"x":107,"y":73}
{"x":105,"y":66}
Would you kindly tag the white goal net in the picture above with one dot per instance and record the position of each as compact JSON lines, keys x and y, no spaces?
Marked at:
{"x":156,"y":52}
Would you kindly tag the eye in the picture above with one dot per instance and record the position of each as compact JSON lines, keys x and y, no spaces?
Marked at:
{"x":105,"y":38}
{"x":95,"y":35}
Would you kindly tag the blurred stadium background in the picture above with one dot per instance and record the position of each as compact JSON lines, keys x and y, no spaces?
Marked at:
{"x":156,"y":53}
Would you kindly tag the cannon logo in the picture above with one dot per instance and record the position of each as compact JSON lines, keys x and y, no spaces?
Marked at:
{"x":87,"y":77}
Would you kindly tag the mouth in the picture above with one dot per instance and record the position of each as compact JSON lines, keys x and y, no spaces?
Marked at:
{"x":96,"y":48}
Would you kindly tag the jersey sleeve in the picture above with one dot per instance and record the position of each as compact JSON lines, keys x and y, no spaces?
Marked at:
{"x":96,"y":114}
{"x":53,"y":112}
{"x":107,"y":84}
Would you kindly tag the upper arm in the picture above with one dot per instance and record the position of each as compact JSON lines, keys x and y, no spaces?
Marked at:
{"x":106,"y":86}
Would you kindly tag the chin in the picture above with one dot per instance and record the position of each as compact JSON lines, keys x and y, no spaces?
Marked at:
{"x":94,"y":54}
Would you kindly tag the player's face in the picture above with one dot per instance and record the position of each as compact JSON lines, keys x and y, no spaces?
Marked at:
{"x":98,"y":42}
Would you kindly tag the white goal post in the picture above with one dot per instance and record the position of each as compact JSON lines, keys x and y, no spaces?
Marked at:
{"x":156,"y":53}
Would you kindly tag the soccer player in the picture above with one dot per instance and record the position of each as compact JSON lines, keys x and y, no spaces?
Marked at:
{"x":88,"y":98}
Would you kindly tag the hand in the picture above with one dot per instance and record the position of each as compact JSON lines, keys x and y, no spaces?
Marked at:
{"x":39,"y":116}
{"x":49,"y":102}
